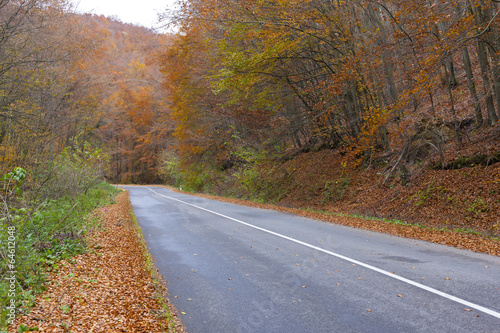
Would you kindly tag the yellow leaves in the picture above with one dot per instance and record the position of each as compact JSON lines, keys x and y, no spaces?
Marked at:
{"x":136,"y":69}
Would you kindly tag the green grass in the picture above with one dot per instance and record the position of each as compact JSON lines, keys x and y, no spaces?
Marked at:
{"x":43,"y":233}
{"x":365,"y":217}
{"x":403,"y":223}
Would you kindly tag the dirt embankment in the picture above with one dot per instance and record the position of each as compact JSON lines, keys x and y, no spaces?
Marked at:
{"x":467,"y":198}
{"x":452,"y":199}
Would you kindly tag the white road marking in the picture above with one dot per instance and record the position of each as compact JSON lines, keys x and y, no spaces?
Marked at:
{"x":354,"y":261}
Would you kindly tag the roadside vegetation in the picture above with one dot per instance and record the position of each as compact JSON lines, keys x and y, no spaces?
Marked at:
{"x":44,"y":218}
{"x":387,"y":109}
{"x":380,"y":109}
{"x":110,"y":286}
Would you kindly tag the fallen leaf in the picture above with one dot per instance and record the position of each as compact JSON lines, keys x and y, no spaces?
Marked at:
{"x":118,"y":275}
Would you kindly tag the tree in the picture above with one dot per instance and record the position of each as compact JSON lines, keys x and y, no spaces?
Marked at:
{"x":372,"y":77}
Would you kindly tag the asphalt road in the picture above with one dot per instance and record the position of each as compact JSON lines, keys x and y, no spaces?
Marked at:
{"x":232,"y":268}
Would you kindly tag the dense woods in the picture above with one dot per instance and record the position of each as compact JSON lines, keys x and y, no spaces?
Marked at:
{"x":80,"y":103}
{"x":241,"y":82}
{"x":366,"y":106}
{"x":398,"y":79}
{"x":66,"y":75}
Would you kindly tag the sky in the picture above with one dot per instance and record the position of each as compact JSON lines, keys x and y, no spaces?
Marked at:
{"x":142,"y":12}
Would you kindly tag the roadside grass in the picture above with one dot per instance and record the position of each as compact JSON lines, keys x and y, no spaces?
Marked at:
{"x":467,"y":231}
{"x":42,"y":234}
{"x":403,"y":223}
{"x":159,"y":285}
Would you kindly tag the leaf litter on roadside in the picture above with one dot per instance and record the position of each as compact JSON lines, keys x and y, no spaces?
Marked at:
{"x":106,"y":289}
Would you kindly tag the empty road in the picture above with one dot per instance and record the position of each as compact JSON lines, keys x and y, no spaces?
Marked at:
{"x":233,"y":268}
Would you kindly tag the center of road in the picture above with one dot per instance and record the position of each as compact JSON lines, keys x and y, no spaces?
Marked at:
{"x":354,"y":261}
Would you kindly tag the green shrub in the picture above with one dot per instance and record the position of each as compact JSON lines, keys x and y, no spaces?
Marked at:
{"x":76,"y":170}
{"x":335,"y":190}
{"x":46,"y":222}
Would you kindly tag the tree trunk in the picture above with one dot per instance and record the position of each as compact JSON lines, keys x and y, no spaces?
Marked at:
{"x":452,"y":102}
{"x":352,"y":113}
{"x":485,"y":70}
{"x":491,"y":38}
{"x":451,"y":70}
{"x":472,"y":87}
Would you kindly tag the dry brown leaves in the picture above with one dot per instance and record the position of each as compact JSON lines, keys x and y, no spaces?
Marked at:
{"x":107,"y":289}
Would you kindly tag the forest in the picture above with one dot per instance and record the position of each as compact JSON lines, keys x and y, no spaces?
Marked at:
{"x":81,"y":103}
{"x":377,"y":109}
{"x":394,"y":78}
{"x":386,"y":109}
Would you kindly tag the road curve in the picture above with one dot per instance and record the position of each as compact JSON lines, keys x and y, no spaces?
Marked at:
{"x":233,"y":268}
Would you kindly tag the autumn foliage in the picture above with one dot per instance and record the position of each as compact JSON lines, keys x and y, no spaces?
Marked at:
{"x":66,"y":75}
{"x":395,"y":78}
{"x":366,"y":106}
{"x":79,"y":102}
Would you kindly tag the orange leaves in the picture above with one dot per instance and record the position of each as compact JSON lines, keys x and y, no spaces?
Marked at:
{"x":134,"y":119}
{"x":108,"y":288}
{"x":308,"y":74}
